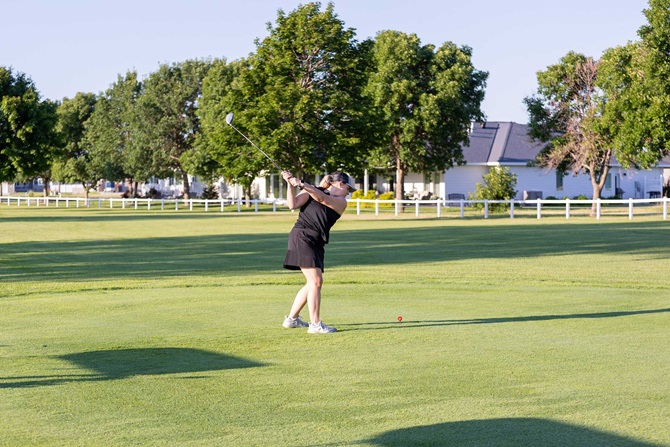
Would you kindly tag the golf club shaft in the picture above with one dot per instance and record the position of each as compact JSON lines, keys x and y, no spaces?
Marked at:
{"x":261,"y":150}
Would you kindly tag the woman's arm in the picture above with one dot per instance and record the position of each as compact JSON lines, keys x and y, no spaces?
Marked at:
{"x":292,"y":200}
{"x":339,"y":204}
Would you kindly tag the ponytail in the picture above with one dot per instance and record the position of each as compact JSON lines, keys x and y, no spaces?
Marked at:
{"x":326,"y":181}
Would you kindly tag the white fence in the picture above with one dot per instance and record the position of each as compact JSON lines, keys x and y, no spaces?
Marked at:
{"x":568,"y":204}
{"x":136,"y":203}
{"x":398,"y":206}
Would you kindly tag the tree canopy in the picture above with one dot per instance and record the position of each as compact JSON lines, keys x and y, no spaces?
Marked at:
{"x":166,"y":124}
{"x":636,"y":79}
{"x":27,"y":128}
{"x":74,"y":164}
{"x":109,"y":129}
{"x":423,"y":101}
{"x":589,"y":111}
{"x":299,"y":97}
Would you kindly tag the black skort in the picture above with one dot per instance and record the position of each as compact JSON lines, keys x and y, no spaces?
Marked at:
{"x":305,"y":249}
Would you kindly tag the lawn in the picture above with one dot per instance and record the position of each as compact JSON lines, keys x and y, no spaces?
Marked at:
{"x":163,"y":328}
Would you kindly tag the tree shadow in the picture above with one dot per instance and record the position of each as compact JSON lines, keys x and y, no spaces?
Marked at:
{"x":116,"y":215}
{"x":115,"y":364}
{"x":429,"y":323}
{"x":214,"y":255}
{"x":507,"y":432}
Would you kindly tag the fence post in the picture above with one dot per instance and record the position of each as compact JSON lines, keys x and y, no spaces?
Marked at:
{"x":417,"y":209}
{"x":176,"y":204}
{"x":665,"y":208}
{"x":376,"y":207}
{"x":539,"y":209}
{"x":567,"y":208}
{"x":274,"y":206}
{"x":256,"y":206}
{"x":206,"y":205}
{"x":358,"y":207}
{"x":462,"y":208}
{"x":239,"y":204}
{"x":486,"y":209}
{"x":598,"y":210}
{"x":439,"y":208}
{"x":511,"y":209}
{"x":630,"y":208}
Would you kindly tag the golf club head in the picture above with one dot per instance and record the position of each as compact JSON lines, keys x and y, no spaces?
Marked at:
{"x":229,"y":118}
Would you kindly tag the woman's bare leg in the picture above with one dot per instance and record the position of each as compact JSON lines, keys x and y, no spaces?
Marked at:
{"x":314,"y":278}
{"x":299,"y":302}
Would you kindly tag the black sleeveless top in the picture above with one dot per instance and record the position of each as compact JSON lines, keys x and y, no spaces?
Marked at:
{"x":317,"y":218}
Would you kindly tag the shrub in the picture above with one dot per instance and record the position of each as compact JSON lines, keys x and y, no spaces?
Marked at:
{"x":387,"y":196}
{"x":371,"y":195}
{"x":499,"y":184}
{"x":210,"y":192}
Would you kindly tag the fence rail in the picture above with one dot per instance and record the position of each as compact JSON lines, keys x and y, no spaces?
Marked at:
{"x":398,"y":206}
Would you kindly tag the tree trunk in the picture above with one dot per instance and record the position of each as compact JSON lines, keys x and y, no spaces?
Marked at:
{"x":45,"y":190}
{"x":187,"y":187}
{"x":400,"y":181}
{"x":597,"y":185}
{"x":247,"y":196}
{"x":596,"y":195}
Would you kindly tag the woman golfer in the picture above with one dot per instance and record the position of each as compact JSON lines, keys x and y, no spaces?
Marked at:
{"x":320,"y":207}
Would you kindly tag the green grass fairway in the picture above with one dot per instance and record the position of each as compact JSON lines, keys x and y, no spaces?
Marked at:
{"x":163,"y":328}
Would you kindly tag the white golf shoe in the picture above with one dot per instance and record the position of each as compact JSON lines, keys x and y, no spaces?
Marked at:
{"x":320,"y":328}
{"x":292,"y":323}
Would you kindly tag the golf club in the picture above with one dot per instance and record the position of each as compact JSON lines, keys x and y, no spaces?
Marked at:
{"x":229,"y":120}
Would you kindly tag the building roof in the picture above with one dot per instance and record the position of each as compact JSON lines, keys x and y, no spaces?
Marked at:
{"x":507,"y":143}
{"x":504,"y":143}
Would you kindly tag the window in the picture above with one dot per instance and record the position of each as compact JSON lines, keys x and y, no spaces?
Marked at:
{"x":608,"y":181}
{"x":559,"y":181}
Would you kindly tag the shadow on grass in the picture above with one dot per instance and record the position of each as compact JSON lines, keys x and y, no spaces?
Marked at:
{"x":428,"y":323}
{"x":508,"y":432}
{"x":216,"y":255}
{"x":117,"y":364}
{"x":117,"y":215}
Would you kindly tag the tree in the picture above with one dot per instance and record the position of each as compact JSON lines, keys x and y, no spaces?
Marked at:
{"x":499,"y":184}
{"x":636,"y":79}
{"x":167,"y":124}
{"x":219,"y":149}
{"x":73,"y":164}
{"x":424,"y":101}
{"x":28,"y":138}
{"x":299,"y":97}
{"x":109,"y":129}
{"x":566,"y":113}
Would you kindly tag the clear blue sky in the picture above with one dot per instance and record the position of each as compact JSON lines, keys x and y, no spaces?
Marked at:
{"x":67,"y":46}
